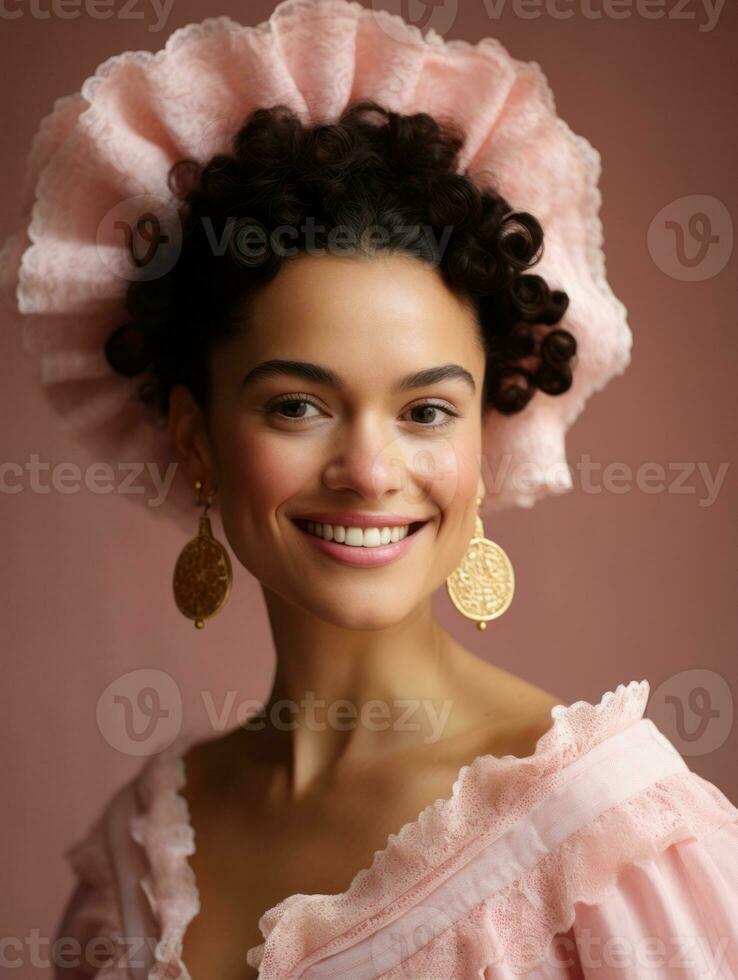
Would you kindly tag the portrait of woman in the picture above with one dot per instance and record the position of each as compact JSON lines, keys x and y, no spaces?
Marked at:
{"x":348,"y":278}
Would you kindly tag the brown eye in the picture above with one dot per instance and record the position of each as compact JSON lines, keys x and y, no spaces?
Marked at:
{"x":426,"y":412}
{"x":292,"y":408}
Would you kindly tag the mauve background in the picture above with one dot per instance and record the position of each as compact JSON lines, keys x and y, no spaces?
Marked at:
{"x":611,"y":587}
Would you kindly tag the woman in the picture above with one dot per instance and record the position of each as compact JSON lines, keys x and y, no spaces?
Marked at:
{"x":334,"y":393}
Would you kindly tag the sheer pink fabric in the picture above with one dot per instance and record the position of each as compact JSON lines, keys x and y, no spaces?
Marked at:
{"x":601,"y":854}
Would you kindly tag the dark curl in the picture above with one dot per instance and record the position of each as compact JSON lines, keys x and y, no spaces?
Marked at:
{"x":372,"y":171}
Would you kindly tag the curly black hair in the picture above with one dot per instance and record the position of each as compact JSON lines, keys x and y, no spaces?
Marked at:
{"x":371,"y":171}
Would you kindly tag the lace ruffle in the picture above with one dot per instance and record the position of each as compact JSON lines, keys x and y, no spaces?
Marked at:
{"x":515,"y":928}
{"x":140,"y":112}
{"x":164,"y":830}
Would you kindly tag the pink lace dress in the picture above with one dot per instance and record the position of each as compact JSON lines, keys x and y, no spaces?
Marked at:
{"x":600,"y":855}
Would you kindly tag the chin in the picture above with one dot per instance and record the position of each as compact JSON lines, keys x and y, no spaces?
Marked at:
{"x":364,"y":615}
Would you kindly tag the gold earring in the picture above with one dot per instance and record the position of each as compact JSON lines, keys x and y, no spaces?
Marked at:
{"x":203,"y":574}
{"x":482,"y":586}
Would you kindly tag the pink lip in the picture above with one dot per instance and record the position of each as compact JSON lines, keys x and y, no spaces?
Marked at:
{"x":363,"y":557}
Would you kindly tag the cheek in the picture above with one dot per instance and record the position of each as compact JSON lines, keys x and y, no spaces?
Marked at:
{"x":258,"y":472}
{"x":455,"y":495}
{"x":449,"y":471}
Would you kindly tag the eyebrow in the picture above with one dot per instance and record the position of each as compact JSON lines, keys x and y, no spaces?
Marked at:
{"x":322,"y":375}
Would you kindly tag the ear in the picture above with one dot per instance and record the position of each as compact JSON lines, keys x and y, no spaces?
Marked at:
{"x":481,"y":489}
{"x":189,"y":435}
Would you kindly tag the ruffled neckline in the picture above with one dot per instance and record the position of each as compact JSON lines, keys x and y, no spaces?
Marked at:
{"x":487,"y":796}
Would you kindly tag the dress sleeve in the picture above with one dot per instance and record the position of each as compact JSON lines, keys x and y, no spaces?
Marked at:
{"x":85,"y":938}
{"x":629,"y":872}
{"x":674,"y":914}
{"x":110,"y":921}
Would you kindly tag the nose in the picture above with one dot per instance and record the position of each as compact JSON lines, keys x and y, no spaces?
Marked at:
{"x":367,"y":460}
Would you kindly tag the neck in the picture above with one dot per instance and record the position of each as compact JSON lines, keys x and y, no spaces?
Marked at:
{"x":341,"y":696}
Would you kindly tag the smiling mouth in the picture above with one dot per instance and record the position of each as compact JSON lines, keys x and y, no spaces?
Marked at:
{"x":304,"y":525}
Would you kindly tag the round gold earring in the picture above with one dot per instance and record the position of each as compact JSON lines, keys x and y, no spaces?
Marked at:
{"x":482,"y":586}
{"x":203,"y":574}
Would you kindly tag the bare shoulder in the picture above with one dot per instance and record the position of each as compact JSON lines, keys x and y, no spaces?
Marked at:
{"x":517,"y":712}
{"x":533,"y":704}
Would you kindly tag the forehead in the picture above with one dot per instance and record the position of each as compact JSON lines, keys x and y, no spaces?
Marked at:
{"x":370,"y":312}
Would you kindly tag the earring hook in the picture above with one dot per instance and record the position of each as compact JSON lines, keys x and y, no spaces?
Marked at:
{"x":198,"y":497}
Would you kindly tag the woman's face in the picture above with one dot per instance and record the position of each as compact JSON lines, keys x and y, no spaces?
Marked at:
{"x":348,"y":437}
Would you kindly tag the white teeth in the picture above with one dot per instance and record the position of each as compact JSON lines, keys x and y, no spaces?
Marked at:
{"x":357,"y":537}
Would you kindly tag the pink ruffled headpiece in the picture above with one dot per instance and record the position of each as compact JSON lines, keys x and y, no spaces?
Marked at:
{"x":106,"y":151}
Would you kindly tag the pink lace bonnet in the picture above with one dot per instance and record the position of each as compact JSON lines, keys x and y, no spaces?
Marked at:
{"x":104,"y":153}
